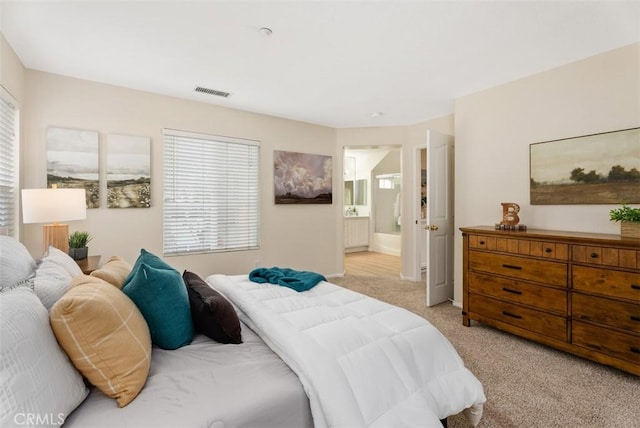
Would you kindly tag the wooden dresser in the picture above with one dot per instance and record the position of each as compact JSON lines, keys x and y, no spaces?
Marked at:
{"x":578,"y":292}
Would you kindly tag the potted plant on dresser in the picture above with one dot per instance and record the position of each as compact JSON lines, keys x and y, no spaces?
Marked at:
{"x":78,"y":241}
{"x":629,"y":219}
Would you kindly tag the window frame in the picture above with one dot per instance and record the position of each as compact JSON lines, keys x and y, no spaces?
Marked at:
{"x":10,"y":155}
{"x":222,"y":217}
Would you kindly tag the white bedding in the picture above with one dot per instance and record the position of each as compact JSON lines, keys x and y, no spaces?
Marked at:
{"x":362,"y":362}
{"x":207,"y":385}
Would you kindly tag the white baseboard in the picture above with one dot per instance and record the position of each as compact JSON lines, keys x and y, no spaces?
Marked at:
{"x":334,"y":275}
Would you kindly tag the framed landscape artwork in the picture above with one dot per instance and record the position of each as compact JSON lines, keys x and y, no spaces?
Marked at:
{"x":72,"y":161}
{"x":301,"y":178}
{"x":128,"y":171}
{"x":592,"y":169}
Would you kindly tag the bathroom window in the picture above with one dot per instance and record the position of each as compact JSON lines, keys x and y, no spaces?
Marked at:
{"x":388,"y":181}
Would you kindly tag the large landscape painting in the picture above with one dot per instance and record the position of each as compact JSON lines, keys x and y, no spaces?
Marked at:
{"x":72,"y":161}
{"x":593,"y":169}
{"x":301,"y":178}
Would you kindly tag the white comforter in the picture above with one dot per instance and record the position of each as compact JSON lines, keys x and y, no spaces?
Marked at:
{"x":362,"y":362}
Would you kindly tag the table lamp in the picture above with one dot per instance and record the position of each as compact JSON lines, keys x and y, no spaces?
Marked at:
{"x":53,"y":206}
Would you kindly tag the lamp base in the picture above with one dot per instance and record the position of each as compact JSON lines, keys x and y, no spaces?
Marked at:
{"x":56,"y":235}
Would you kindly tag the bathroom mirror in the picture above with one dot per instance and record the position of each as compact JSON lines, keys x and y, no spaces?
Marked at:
{"x":355,"y":191}
{"x":360,"y":192}
{"x":348,"y":192}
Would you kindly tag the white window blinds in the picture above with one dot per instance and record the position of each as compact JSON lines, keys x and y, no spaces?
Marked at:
{"x":211,"y":193}
{"x":8,"y":165}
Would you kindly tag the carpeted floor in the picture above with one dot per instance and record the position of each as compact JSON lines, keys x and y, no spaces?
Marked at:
{"x":526,"y":384}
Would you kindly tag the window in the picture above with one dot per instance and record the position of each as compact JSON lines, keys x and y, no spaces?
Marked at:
{"x":8,"y":164}
{"x":211,"y":193}
{"x":388,"y":181}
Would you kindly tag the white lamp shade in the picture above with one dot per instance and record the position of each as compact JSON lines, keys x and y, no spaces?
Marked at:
{"x":53,"y":205}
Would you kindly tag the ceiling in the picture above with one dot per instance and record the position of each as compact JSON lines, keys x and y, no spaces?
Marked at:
{"x":333,"y":63}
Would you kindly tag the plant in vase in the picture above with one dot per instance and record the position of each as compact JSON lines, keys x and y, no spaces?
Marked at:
{"x":78,"y":241}
{"x":629,"y":219}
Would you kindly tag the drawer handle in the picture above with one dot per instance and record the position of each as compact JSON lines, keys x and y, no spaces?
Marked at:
{"x":481,"y":242}
{"x":509,"y":314}
{"x":635,"y":286}
{"x":634,"y":349}
{"x":504,"y":265}
{"x":508,"y":290}
{"x":594,"y":255}
{"x":548,"y":250}
{"x":637,"y":319}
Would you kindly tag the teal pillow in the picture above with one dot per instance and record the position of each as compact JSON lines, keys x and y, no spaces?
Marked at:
{"x":149,"y":259}
{"x":162,"y":298}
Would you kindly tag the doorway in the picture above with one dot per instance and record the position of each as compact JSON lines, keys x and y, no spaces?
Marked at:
{"x":372,"y":180}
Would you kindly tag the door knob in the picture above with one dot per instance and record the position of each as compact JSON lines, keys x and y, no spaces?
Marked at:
{"x":433,"y":227}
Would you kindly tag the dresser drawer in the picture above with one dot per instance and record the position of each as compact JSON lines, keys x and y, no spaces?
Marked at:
{"x":538,"y":322}
{"x":547,"y":272}
{"x":551,"y":299}
{"x":525,"y":247}
{"x":620,"y":345}
{"x":605,"y":311}
{"x":606,"y":256}
{"x":624,"y":285}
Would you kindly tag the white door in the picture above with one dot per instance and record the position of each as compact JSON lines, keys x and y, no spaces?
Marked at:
{"x":439,"y":223}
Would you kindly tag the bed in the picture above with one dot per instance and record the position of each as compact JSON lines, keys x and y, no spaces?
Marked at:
{"x":323,"y":357}
{"x":207,"y":384}
{"x":362,"y":362}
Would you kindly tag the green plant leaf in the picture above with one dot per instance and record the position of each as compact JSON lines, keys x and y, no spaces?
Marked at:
{"x":79,"y":239}
{"x":625,"y":213}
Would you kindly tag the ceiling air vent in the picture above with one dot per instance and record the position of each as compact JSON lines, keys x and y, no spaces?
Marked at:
{"x":212,"y":92}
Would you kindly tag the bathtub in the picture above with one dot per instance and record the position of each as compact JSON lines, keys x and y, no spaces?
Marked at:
{"x":386,"y":243}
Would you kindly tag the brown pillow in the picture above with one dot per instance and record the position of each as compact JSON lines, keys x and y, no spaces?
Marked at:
{"x":114,"y":271}
{"x":211,"y":313}
{"x":105,"y":336}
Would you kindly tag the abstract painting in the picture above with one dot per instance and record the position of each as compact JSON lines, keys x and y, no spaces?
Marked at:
{"x":128,"y":171}
{"x":301,"y":178}
{"x":73,"y":161}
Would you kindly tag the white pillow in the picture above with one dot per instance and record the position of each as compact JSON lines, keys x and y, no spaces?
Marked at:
{"x":16,"y":264}
{"x":36,"y":377}
{"x":51,"y":281}
{"x":63,"y":259}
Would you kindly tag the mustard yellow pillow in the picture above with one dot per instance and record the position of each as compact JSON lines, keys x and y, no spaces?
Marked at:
{"x":105,"y":336}
{"x":114,"y":271}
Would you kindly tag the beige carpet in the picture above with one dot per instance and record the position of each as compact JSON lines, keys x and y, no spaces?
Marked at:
{"x":526,"y":384}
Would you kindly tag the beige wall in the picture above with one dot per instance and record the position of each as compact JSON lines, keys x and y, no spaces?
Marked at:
{"x":11,"y":71}
{"x":301,"y":237}
{"x":494,"y":128}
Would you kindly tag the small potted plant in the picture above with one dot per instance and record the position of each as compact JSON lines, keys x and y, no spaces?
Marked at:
{"x":629,"y":219}
{"x":78,"y":241}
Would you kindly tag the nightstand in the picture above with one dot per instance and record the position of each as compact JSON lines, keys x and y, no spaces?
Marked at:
{"x":89,"y":264}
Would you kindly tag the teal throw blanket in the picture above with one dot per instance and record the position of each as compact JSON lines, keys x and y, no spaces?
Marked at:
{"x":295,"y":279}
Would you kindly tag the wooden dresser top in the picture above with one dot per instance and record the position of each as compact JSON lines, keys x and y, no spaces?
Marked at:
{"x":570,"y":237}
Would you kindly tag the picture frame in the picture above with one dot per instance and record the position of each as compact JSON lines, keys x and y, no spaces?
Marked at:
{"x":599,"y":168}
{"x":73,"y":161}
{"x":302,"y":178}
{"x":128,"y":171}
